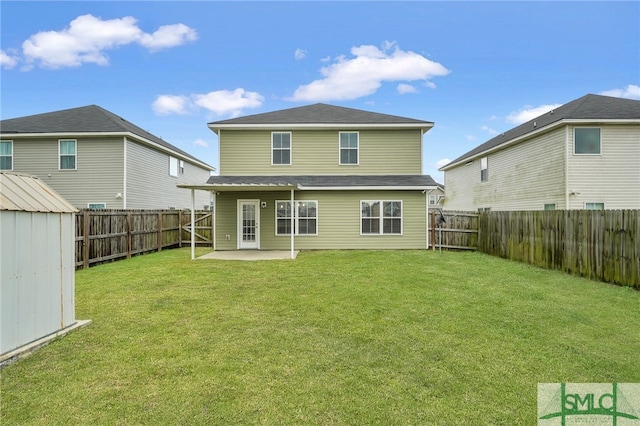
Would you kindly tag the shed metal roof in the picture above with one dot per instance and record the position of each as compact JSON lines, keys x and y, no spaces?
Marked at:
{"x":22,"y":192}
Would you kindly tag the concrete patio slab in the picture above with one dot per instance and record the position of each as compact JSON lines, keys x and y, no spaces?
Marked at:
{"x":250,"y":255}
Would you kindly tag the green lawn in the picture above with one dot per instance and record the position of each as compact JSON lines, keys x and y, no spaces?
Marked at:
{"x":332,"y":338}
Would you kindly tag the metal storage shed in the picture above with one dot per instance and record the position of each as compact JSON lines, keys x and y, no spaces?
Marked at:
{"x":37,"y":265}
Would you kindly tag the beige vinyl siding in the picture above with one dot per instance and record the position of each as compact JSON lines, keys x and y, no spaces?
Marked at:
{"x":149,"y":185}
{"x":338,"y":220}
{"x":525,"y":176}
{"x":316,"y":152}
{"x":613,"y":177}
{"x":99,"y":175}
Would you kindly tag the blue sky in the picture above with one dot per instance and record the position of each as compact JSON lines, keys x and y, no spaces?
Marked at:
{"x":474,"y":68}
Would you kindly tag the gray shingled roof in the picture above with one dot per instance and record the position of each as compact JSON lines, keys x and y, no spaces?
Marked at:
{"x":310,"y":182}
{"x":87,"y":119}
{"x":588,"y":107}
{"x":320,"y":114}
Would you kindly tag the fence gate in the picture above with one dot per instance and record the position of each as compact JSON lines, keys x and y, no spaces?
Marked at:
{"x":458,"y":231}
{"x":203,"y":228}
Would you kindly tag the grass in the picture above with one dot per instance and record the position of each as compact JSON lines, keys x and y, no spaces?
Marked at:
{"x":332,"y":338}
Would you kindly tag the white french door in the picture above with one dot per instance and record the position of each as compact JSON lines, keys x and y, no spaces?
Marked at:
{"x":248,"y":224}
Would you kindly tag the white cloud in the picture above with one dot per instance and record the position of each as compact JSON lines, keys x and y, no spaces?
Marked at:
{"x":7,"y":61}
{"x":406,"y":88}
{"x":442,"y":163}
{"x":327,"y":59}
{"x":489,"y":130}
{"x":223,"y":102}
{"x":300,"y":54}
{"x":470,"y":138}
{"x":201,"y":142}
{"x":88,"y":37}
{"x":170,"y":104}
{"x":632,"y":91}
{"x":529,"y":113}
{"x":364,"y":73}
{"x":430,"y":84}
{"x":168,"y":36}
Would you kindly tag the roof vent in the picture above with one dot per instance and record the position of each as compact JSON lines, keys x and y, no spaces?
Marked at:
{"x":534,"y":124}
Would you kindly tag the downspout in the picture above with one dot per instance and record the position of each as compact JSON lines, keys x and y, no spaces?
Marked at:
{"x":293,"y":230}
{"x":566,"y":167}
{"x":124,"y":189}
{"x":193,"y":224}
{"x":426,"y":196}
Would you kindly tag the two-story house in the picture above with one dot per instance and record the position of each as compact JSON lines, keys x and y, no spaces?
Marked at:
{"x":320,"y":177}
{"x":96,"y":159}
{"x":583,"y":155}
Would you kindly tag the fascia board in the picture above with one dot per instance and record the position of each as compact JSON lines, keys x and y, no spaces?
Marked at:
{"x":424,"y":127}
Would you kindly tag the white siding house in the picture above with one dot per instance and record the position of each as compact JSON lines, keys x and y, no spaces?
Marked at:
{"x":583,"y":155}
{"x":94,"y":158}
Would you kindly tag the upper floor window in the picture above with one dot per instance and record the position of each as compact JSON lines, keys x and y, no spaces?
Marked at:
{"x":432,"y":200}
{"x":281,"y":148}
{"x":68,"y":150}
{"x":173,"y":166}
{"x":380,"y":217}
{"x":6,"y":155}
{"x":586,"y":140}
{"x":305,"y":220}
{"x":181,"y":168}
{"x":348,"y":148}
{"x":484,"y":169}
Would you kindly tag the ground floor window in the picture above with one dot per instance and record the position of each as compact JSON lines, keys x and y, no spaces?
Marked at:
{"x":379,"y":217}
{"x":594,"y":206}
{"x":305,"y":217}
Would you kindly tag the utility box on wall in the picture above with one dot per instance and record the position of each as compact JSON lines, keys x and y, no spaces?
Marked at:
{"x":37,"y":262}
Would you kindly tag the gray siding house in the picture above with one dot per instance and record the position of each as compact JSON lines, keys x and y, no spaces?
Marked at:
{"x":96,"y":159}
{"x":583,"y":155}
{"x":320,"y":177}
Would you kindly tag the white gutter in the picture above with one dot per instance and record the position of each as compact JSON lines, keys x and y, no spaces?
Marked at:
{"x":124,"y":189}
{"x":364,"y":188}
{"x":424,"y":126}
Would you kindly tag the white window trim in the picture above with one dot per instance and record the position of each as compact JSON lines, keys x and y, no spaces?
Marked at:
{"x":103,"y":204}
{"x":60,"y":154}
{"x":604,"y":207}
{"x":484,"y":166}
{"x":382,"y":217}
{"x":295,"y":218}
{"x":586,"y":153}
{"x":340,"y":163}
{"x":555,"y":206}
{"x":282,"y":149}
{"x":181,"y":167}
{"x":432,"y":197}
{"x":174,"y":166}
{"x":11,"y":156}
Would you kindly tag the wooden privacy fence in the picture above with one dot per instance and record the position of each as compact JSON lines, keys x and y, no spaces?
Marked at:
{"x":459,"y":230}
{"x":597,"y":244}
{"x":106,"y":235}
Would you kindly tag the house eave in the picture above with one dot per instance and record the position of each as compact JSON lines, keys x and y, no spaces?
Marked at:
{"x":534,"y":133}
{"x":423,"y":127}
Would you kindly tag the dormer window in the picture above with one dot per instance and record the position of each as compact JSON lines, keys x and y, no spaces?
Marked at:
{"x":348,"y":148}
{"x":281,"y":148}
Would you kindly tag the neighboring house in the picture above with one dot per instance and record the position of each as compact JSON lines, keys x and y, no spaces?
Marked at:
{"x":353,"y":178}
{"x":96,"y":159}
{"x":582,"y":155}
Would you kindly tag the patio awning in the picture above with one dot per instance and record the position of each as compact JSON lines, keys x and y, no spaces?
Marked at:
{"x":316,"y":183}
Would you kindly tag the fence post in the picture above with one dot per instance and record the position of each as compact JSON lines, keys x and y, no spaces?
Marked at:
{"x":128,"y":235}
{"x":180,"y":228}
{"x":85,"y":239}
{"x":160,"y":231}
